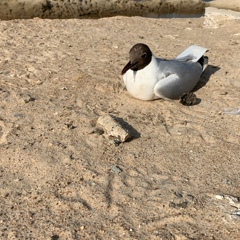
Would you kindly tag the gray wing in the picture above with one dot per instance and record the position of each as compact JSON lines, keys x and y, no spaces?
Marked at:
{"x":192,"y":53}
{"x":176,"y":78}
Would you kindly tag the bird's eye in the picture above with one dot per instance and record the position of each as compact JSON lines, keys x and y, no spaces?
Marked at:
{"x":144,"y":55}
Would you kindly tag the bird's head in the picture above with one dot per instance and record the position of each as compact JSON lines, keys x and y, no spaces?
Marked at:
{"x":140,"y":56}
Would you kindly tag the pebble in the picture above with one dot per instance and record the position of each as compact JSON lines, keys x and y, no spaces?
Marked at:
{"x":113,"y":128}
{"x":235,"y":111}
{"x":116,"y":169}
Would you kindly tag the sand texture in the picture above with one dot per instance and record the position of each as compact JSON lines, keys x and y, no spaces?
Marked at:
{"x":177,"y":178}
{"x":225,"y":4}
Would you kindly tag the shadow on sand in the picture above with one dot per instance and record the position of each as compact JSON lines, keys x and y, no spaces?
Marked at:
{"x":205,"y":77}
{"x":210,"y":70}
{"x":133,"y":132}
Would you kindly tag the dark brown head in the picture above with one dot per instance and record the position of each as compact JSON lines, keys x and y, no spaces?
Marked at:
{"x":140,"y":57}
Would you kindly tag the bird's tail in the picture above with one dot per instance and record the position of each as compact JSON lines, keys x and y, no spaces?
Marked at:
{"x":193,"y":53}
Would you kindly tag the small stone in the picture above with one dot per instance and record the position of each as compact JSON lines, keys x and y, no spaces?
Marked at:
{"x":82,"y":227}
{"x":64,"y":88}
{"x":116,"y":169}
{"x":26,"y":98}
{"x":220,"y":197}
{"x":188,"y":99}
{"x":235,"y":111}
{"x":113,"y":129}
{"x":179,"y":205}
{"x":54,"y":237}
{"x":70,"y":125}
{"x":18,"y":115}
{"x":97,"y":130}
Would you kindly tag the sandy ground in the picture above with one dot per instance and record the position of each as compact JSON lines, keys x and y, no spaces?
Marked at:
{"x":177,"y":178}
{"x":225,"y":4}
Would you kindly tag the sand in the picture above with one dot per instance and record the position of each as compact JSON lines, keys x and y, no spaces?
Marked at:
{"x":177,"y":178}
{"x":225,"y":4}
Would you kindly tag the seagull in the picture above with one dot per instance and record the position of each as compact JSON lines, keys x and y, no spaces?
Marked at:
{"x":147,"y":77}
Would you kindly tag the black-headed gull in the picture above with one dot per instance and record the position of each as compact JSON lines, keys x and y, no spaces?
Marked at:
{"x":147,"y":77}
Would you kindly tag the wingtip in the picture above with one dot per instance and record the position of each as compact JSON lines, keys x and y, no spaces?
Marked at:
{"x":205,"y":62}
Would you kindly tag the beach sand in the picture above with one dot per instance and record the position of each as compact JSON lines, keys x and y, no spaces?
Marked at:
{"x":177,"y":178}
{"x":225,"y":4}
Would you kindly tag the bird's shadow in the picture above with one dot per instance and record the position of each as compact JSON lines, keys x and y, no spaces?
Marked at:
{"x":205,"y":77}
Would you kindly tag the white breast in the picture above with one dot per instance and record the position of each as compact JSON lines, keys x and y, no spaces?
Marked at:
{"x":141,"y":83}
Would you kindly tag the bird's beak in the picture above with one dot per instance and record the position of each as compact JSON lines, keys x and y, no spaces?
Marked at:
{"x":128,"y":66}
